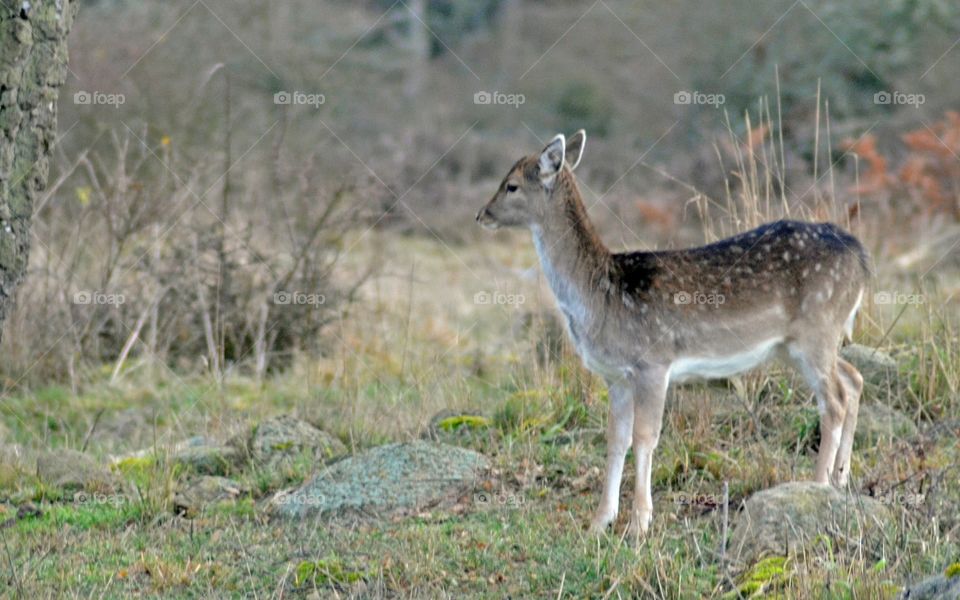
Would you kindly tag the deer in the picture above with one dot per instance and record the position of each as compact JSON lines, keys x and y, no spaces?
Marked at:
{"x":643,"y":320}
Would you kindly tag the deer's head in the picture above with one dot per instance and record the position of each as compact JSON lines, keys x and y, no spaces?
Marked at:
{"x":525,"y":195}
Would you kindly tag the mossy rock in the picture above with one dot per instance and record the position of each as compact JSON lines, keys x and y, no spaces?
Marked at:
{"x":206,"y":491}
{"x":206,"y":457}
{"x":72,"y":470}
{"x":878,"y":368}
{"x":285,"y":437}
{"x":940,"y":587}
{"x":385,"y":481}
{"x":876,"y":422}
{"x":789,"y":517}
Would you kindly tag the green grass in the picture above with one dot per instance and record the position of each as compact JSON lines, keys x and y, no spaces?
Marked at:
{"x":541,"y":425}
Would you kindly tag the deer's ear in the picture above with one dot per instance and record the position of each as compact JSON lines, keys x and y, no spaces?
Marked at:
{"x":551,"y":158}
{"x":574,"y":149}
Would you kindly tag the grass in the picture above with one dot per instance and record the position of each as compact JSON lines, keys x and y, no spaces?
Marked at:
{"x":531,"y":542}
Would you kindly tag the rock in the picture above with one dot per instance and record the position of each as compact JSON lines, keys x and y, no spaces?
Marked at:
{"x":386,"y":480}
{"x":119,"y":431}
{"x":205,"y":491}
{"x":878,"y":368}
{"x":286,"y":436}
{"x":71,"y":470}
{"x":786,"y":518}
{"x":941,"y":587}
{"x":877,"y":421}
{"x":204,"y":456}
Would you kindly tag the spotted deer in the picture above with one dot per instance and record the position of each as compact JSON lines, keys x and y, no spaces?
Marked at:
{"x":644,"y":320}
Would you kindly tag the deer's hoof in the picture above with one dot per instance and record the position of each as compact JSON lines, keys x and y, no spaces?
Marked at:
{"x":600,"y":524}
{"x":638,"y":527}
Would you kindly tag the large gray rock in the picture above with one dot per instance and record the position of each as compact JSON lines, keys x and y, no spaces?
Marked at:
{"x":387,"y":480}
{"x":71,"y":470}
{"x":941,"y":587}
{"x":285,"y":436}
{"x":207,"y":491}
{"x":207,"y":457}
{"x":785,"y":518}
{"x":878,"y":368}
{"x":877,"y":422}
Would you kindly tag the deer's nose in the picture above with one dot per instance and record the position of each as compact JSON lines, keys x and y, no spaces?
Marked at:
{"x":482,"y":213}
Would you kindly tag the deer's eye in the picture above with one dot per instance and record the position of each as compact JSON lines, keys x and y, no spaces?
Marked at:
{"x":511,"y":187}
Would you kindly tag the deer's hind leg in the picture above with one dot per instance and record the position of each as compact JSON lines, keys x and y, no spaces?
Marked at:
{"x":818,"y":366}
{"x":852,"y":385}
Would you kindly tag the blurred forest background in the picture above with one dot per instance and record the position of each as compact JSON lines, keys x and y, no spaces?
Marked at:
{"x":215,"y":155}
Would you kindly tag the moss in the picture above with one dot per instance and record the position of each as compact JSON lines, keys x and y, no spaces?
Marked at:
{"x":327,"y":571}
{"x":139,"y":469}
{"x":765,"y":575}
{"x":952,"y":571}
{"x":466,"y":421}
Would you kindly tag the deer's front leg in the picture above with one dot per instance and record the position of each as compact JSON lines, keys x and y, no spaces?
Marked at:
{"x":650,"y":394}
{"x":619,"y":428}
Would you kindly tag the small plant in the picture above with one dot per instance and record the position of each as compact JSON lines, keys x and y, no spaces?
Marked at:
{"x":762,"y":578}
{"x":327,"y":571}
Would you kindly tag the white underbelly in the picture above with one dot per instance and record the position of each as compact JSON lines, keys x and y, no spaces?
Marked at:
{"x":689,"y":368}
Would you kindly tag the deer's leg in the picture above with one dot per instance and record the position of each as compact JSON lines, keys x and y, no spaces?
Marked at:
{"x":852,"y":386}
{"x":651,"y":395}
{"x":819,"y":369}
{"x":619,"y":426}
{"x":831,"y":404}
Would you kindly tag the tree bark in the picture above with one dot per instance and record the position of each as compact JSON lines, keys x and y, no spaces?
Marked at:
{"x":33,"y":66}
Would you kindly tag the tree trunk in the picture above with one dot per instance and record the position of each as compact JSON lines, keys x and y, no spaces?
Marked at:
{"x":33,"y":66}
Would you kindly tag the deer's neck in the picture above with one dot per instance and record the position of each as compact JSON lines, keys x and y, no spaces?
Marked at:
{"x":575,"y":261}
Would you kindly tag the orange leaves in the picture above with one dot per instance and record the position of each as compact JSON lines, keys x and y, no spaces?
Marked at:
{"x":876,"y":177}
{"x":929,"y":173}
